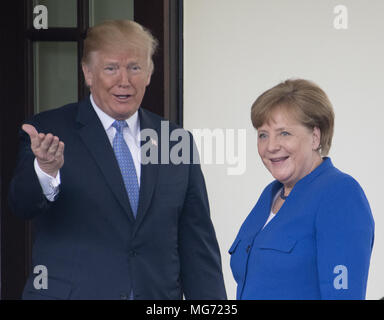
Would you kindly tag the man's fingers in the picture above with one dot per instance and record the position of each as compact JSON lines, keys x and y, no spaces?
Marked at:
{"x":53,"y":146}
{"x":31,"y":130}
{"x":46,"y":143}
{"x":33,"y":134}
{"x":60,"y":150}
{"x":46,"y":147}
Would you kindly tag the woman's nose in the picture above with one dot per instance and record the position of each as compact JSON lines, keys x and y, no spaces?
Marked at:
{"x":273,"y":144}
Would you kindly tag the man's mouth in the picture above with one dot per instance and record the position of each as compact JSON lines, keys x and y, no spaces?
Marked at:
{"x":122,"y":97}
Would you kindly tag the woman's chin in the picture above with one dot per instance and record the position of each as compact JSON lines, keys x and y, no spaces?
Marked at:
{"x":283,"y":178}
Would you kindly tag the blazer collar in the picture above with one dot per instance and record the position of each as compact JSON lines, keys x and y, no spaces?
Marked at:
{"x":325,"y":165}
{"x":264,"y":206}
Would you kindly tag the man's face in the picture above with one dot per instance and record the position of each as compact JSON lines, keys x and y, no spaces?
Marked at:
{"x":118,"y":80}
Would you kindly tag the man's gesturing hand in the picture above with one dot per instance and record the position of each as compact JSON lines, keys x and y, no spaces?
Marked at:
{"x":48,"y":150}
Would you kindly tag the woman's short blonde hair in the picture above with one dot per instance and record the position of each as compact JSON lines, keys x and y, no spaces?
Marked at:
{"x":122,"y":34}
{"x":305,"y":100}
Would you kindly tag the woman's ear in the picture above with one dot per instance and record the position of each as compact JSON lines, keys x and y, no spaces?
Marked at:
{"x":316,"y":138}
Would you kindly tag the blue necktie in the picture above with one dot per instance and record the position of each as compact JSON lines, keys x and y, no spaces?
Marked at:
{"x":126,"y":164}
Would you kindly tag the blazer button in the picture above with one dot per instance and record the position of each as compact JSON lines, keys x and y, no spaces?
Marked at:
{"x":132,"y":253}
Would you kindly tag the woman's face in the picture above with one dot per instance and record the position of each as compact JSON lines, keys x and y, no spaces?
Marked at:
{"x":287,"y":148}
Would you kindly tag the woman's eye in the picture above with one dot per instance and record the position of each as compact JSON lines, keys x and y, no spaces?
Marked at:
{"x":262,"y":135}
{"x":285,"y":133}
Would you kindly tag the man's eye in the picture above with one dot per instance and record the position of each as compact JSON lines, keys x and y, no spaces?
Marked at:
{"x":135,"y":68}
{"x":110,"y":68}
{"x":285,"y":133}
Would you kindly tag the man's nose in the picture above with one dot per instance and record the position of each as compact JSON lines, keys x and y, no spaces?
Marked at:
{"x":125,"y":78}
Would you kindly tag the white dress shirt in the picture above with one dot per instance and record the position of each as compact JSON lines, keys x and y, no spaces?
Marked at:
{"x":50,"y":185}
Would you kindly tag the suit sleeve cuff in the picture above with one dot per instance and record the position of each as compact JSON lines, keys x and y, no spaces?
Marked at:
{"x":49,"y":184}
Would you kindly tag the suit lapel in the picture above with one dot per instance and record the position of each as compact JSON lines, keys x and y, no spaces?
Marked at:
{"x":149,"y":172}
{"x":95,"y":139}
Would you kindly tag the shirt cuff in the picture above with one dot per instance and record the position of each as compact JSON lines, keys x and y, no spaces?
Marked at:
{"x":49,"y":184}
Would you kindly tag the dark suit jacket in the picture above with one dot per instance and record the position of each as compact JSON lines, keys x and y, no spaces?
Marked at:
{"x":89,"y":240}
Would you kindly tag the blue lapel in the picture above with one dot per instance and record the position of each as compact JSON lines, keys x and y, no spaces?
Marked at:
{"x":259,"y":214}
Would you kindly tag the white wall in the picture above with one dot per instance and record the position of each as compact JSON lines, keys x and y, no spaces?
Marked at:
{"x":235,"y":50}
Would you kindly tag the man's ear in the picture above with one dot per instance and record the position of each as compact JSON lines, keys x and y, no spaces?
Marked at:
{"x":149,"y":78}
{"x":150,"y":72}
{"x":316,"y":136}
{"x":87,"y":73}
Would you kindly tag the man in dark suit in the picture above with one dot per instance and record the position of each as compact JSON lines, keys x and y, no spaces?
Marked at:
{"x":109,"y":226}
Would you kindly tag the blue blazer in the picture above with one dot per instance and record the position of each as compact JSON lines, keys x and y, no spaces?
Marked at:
{"x":318,"y":245}
{"x":88,"y":238}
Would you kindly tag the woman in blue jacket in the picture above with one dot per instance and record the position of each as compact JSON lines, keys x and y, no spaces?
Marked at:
{"x":310,"y":234}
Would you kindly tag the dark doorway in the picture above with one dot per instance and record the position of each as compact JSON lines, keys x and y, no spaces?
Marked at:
{"x":18,"y":97}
